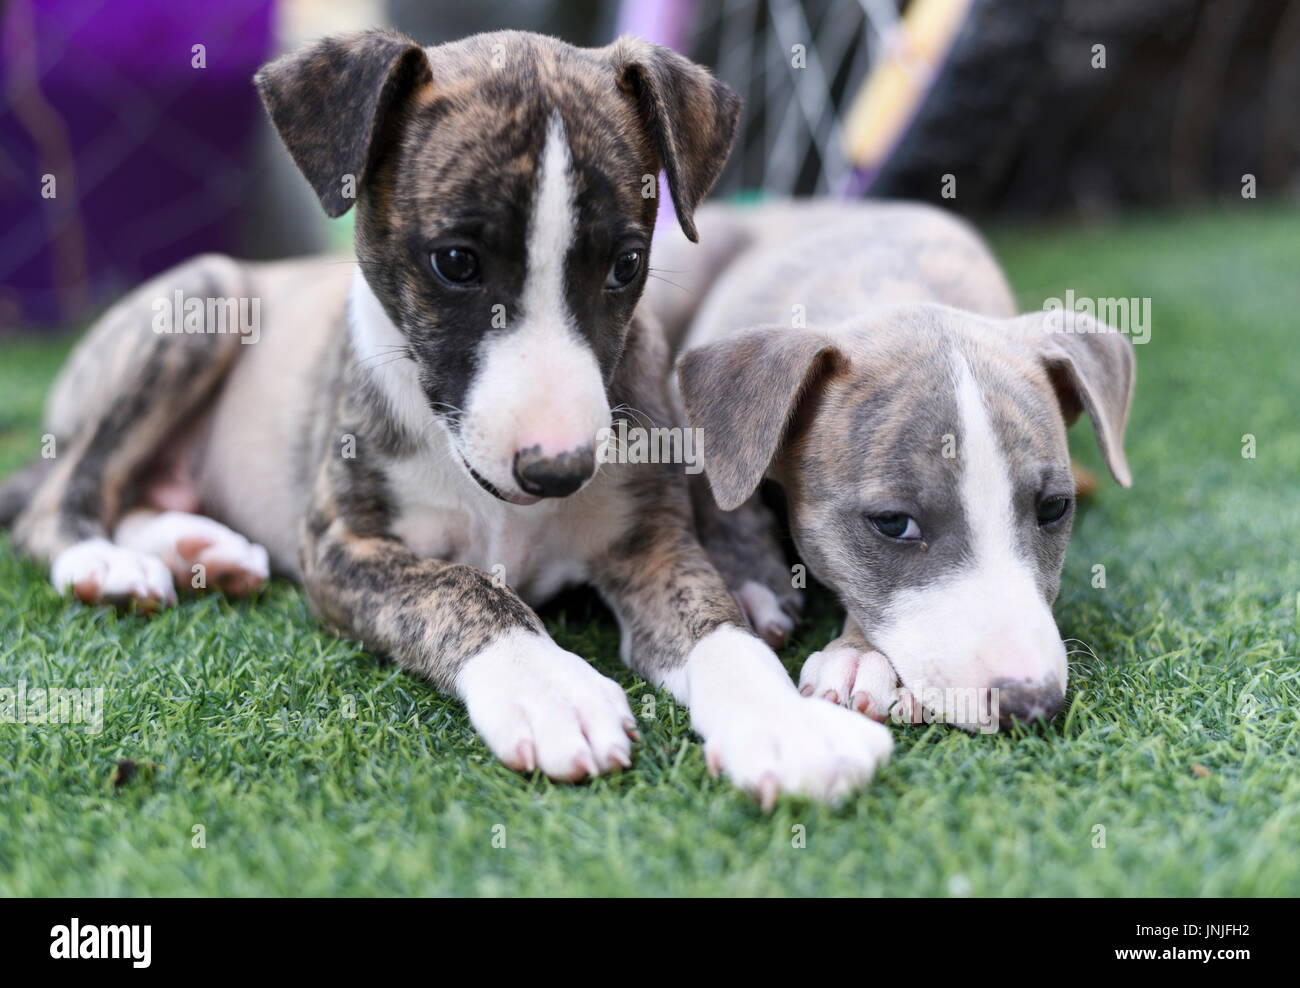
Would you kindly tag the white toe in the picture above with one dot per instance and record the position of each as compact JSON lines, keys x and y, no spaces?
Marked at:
{"x":874,"y":686}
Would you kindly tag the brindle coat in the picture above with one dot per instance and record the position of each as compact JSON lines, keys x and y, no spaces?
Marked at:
{"x":341,"y":440}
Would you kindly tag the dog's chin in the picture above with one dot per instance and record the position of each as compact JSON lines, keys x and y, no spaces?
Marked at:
{"x":510,"y":497}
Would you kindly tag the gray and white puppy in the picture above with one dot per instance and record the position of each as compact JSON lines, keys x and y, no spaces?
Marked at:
{"x":868,"y":357}
{"x":412,"y":437}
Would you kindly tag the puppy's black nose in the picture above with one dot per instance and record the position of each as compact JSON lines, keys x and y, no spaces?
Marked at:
{"x":1027,"y":702}
{"x":553,"y":476}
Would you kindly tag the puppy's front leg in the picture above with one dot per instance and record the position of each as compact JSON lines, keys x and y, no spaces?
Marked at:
{"x":535,"y":705}
{"x":683,"y":630}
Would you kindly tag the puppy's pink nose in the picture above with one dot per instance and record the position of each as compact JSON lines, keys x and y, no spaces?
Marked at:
{"x":1027,"y":651}
{"x":543,"y":475}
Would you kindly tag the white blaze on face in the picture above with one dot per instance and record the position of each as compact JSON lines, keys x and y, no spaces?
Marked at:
{"x":989,"y":622}
{"x":538,"y":383}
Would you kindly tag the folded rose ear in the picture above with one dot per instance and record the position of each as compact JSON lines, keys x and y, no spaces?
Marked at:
{"x":1093,"y":368}
{"x":743,"y":393}
{"x":691,"y":118}
{"x":331,"y":102}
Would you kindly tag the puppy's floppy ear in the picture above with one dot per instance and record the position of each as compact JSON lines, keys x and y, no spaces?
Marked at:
{"x":690,"y":115}
{"x":743,"y":393}
{"x":329,"y":102}
{"x":1093,"y":368}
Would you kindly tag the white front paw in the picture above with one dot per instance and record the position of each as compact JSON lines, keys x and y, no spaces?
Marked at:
{"x":99,"y":572}
{"x":765,"y":737}
{"x":800,"y":747}
{"x":850,"y":677}
{"x":538,"y":707}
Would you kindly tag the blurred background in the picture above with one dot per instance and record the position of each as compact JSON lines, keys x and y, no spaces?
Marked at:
{"x":131,"y":137}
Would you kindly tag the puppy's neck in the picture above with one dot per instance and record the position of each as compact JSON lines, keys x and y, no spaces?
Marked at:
{"x":378,"y":347}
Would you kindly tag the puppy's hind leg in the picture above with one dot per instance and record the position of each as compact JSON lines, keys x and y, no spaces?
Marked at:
{"x":744,"y":548}
{"x":19,"y":488}
{"x":200,"y":553}
{"x":124,"y":391}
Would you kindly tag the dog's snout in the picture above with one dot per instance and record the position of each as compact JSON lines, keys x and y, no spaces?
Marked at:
{"x":1027,"y":702}
{"x":553,"y":476}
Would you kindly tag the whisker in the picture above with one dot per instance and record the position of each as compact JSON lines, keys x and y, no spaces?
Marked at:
{"x":651,"y":274}
{"x":1086,"y":649}
{"x":640,"y":417}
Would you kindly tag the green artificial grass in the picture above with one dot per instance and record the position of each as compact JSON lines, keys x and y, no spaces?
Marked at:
{"x":1180,"y":739}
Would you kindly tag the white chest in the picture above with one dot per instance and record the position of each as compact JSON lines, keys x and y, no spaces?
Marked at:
{"x":536,"y":549}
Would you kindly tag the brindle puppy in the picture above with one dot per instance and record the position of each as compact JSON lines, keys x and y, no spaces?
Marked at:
{"x":415,"y":441}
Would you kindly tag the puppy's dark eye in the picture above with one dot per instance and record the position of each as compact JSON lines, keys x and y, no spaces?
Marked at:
{"x":624,"y":269}
{"x":896,"y":525}
{"x":1052,"y":509}
{"x":455,"y":265}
